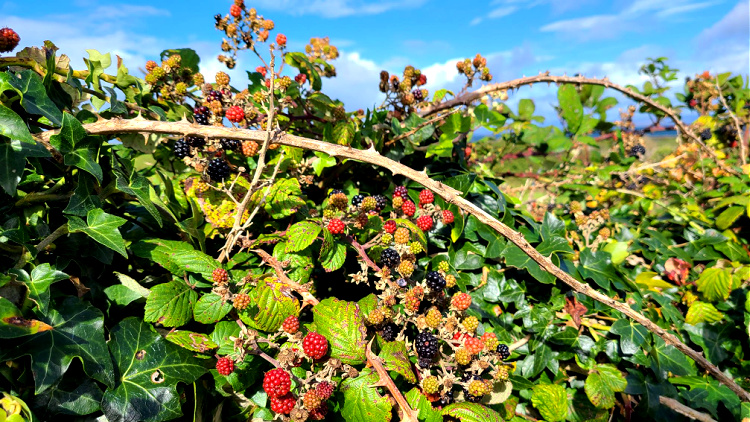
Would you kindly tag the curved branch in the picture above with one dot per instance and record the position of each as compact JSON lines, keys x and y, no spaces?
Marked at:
{"x":408,"y":413}
{"x":450,"y":195}
{"x":469,"y":97}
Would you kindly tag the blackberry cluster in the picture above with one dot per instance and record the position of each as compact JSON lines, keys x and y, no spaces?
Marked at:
{"x":357,"y":200}
{"x":195,"y":141}
{"x":201,"y":114}
{"x":380,"y":202}
{"x":213,"y":96}
{"x":390,"y":331}
{"x":637,"y":150}
{"x":426,"y":345}
{"x":231,"y":144}
{"x":503,"y":351}
{"x":218,"y":170}
{"x":435,"y":281}
{"x":390,"y":258}
{"x":181,"y":149}
{"x":706,"y":134}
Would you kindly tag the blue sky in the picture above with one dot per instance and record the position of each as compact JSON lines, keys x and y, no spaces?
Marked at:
{"x":519,"y":37}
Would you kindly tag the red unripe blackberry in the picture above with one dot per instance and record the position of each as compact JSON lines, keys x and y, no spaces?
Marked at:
{"x":235,"y":114}
{"x":409,"y":208}
{"x":447,"y":217}
{"x":426,"y":197}
{"x":474,"y":345}
{"x":319,"y":413}
{"x":9,"y":40}
{"x":235,"y":11}
{"x":390,"y":226}
{"x":300,"y":78}
{"x":315,"y":345}
{"x":336,"y":226}
{"x":400,"y":191}
{"x":261,"y":70}
{"x":241,"y":301}
{"x":311,"y":401}
{"x":220,"y":275}
{"x":225,"y":366}
{"x":324,"y":389}
{"x":277,"y":382}
{"x":422,"y":79}
{"x":461,"y":301}
{"x":283,"y":404}
{"x":249,"y":148}
{"x":281,"y":40}
{"x":424,"y":222}
{"x":291,"y":324}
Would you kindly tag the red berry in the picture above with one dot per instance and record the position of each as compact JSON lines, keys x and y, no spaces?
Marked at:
{"x":424,"y":222}
{"x":281,"y":40}
{"x":301,"y":78}
{"x":291,"y":324}
{"x":336,"y":226}
{"x":409,"y":208}
{"x":324,"y":389}
{"x":426,"y":197}
{"x":235,"y":11}
{"x":261,"y":70}
{"x":461,"y":301}
{"x":315,"y":345}
{"x":390,"y":226}
{"x":9,"y":40}
{"x":225,"y":366}
{"x":693,"y":103}
{"x":220,"y":275}
{"x":447,"y":217}
{"x":320,"y":412}
{"x":235,"y":114}
{"x":422,"y":79}
{"x":277,"y":382}
{"x":400,"y":191}
{"x":474,"y":345}
{"x":283,"y":404}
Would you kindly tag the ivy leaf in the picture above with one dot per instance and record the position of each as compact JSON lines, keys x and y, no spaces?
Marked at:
{"x":272,"y":302}
{"x":211,"y":308}
{"x":12,"y":168}
{"x":128,"y":291}
{"x":711,"y":339}
{"x":715,"y":284}
{"x":85,"y":159}
{"x":632,"y":335}
{"x":83,"y":400}
{"x":170,"y":304}
{"x":13,"y":324}
{"x":84,"y":198}
{"x":665,"y":358}
{"x":702,"y":312}
{"x":34,"y":97}
{"x":197,"y":342}
{"x":177,"y":257}
{"x":396,"y":358}
{"x":335,"y":257}
{"x":13,"y":127}
{"x":728,"y":217}
{"x":301,"y":235}
{"x":150,"y":368}
{"x":515,"y":257}
{"x":41,"y":278}
{"x":132,"y":183}
{"x":101,"y":227}
{"x":471,"y":412}
{"x":77,"y":331}
{"x":324,"y":161}
{"x":362,"y":403}
{"x":708,"y":393}
{"x":341,"y":323}
{"x":602,"y":384}
{"x":551,"y":401}
{"x":96,"y":63}
{"x":70,"y":134}
{"x":597,"y":266}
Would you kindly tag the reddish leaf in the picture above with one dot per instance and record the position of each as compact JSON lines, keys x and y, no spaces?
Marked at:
{"x":575,"y":309}
{"x":677,"y":270}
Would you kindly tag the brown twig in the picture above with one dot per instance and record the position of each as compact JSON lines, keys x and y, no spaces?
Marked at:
{"x":307,"y":297}
{"x":475,"y":95}
{"x":684,"y":410}
{"x":737,"y":125}
{"x":362,"y":253}
{"x":407,"y":414}
{"x":450,"y":195}
{"x":420,"y":126}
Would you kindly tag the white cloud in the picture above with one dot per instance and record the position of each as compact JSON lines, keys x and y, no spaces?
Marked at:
{"x":684,"y":8}
{"x":579,"y":25}
{"x":501,"y":12}
{"x":725,"y":46}
{"x":336,"y":8}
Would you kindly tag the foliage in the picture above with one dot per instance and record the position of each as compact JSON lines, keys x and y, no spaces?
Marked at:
{"x":129,"y":264}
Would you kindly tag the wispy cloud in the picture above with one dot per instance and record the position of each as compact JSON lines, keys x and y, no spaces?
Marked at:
{"x":496,"y":14}
{"x":336,"y":8}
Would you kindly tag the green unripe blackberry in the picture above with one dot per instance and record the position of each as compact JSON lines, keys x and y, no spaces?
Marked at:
{"x":368,"y":204}
{"x":430,"y":385}
{"x":443,"y":266}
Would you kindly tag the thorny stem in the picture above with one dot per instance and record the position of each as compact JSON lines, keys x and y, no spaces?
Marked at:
{"x":737,"y":126}
{"x":450,"y":195}
{"x":407,"y":414}
{"x":307,"y":297}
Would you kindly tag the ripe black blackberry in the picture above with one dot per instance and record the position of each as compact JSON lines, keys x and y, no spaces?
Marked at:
{"x":706,"y":134}
{"x":201,"y":115}
{"x":195,"y":141}
{"x":390,"y":331}
{"x":231,"y":144}
{"x":218,"y":170}
{"x":445,"y":400}
{"x":417,"y":93}
{"x":357,"y":199}
{"x":213,"y":96}
{"x":435,"y":281}
{"x":503,"y":351}
{"x":181,"y":149}
{"x":426,"y":345}
{"x":381,"y":202}
{"x":390,"y":258}
{"x":424,"y":362}
{"x":637,"y":150}
{"x":334,"y":192}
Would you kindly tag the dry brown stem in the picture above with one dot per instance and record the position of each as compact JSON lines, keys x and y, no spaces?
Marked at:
{"x":407,"y":413}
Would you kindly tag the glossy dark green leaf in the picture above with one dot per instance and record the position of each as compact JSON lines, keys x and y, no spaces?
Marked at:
{"x":101,"y":227}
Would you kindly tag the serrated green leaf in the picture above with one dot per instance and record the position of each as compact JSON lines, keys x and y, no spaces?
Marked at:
{"x":343,"y":133}
{"x":221,"y":336}
{"x":342,"y":324}
{"x":170,"y":304}
{"x":211,"y":308}
{"x":570,"y":106}
{"x":396,"y":358}
{"x":715,"y":284}
{"x":77,"y":332}
{"x":335,"y":257}
{"x":602,"y":384}
{"x":149,"y":368}
{"x":551,"y":401}
{"x":422,"y":406}
{"x":101,"y":227}
{"x":127,"y":291}
{"x":197,"y":342}
{"x":702,"y":312}
{"x":177,"y":257}
{"x":362,"y":403}
{"x":271,"y":303}
{"x":301,"y":235}
{"x":300,"y":263}
{"x":471,"y":412}
{"x":284,"y":198}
